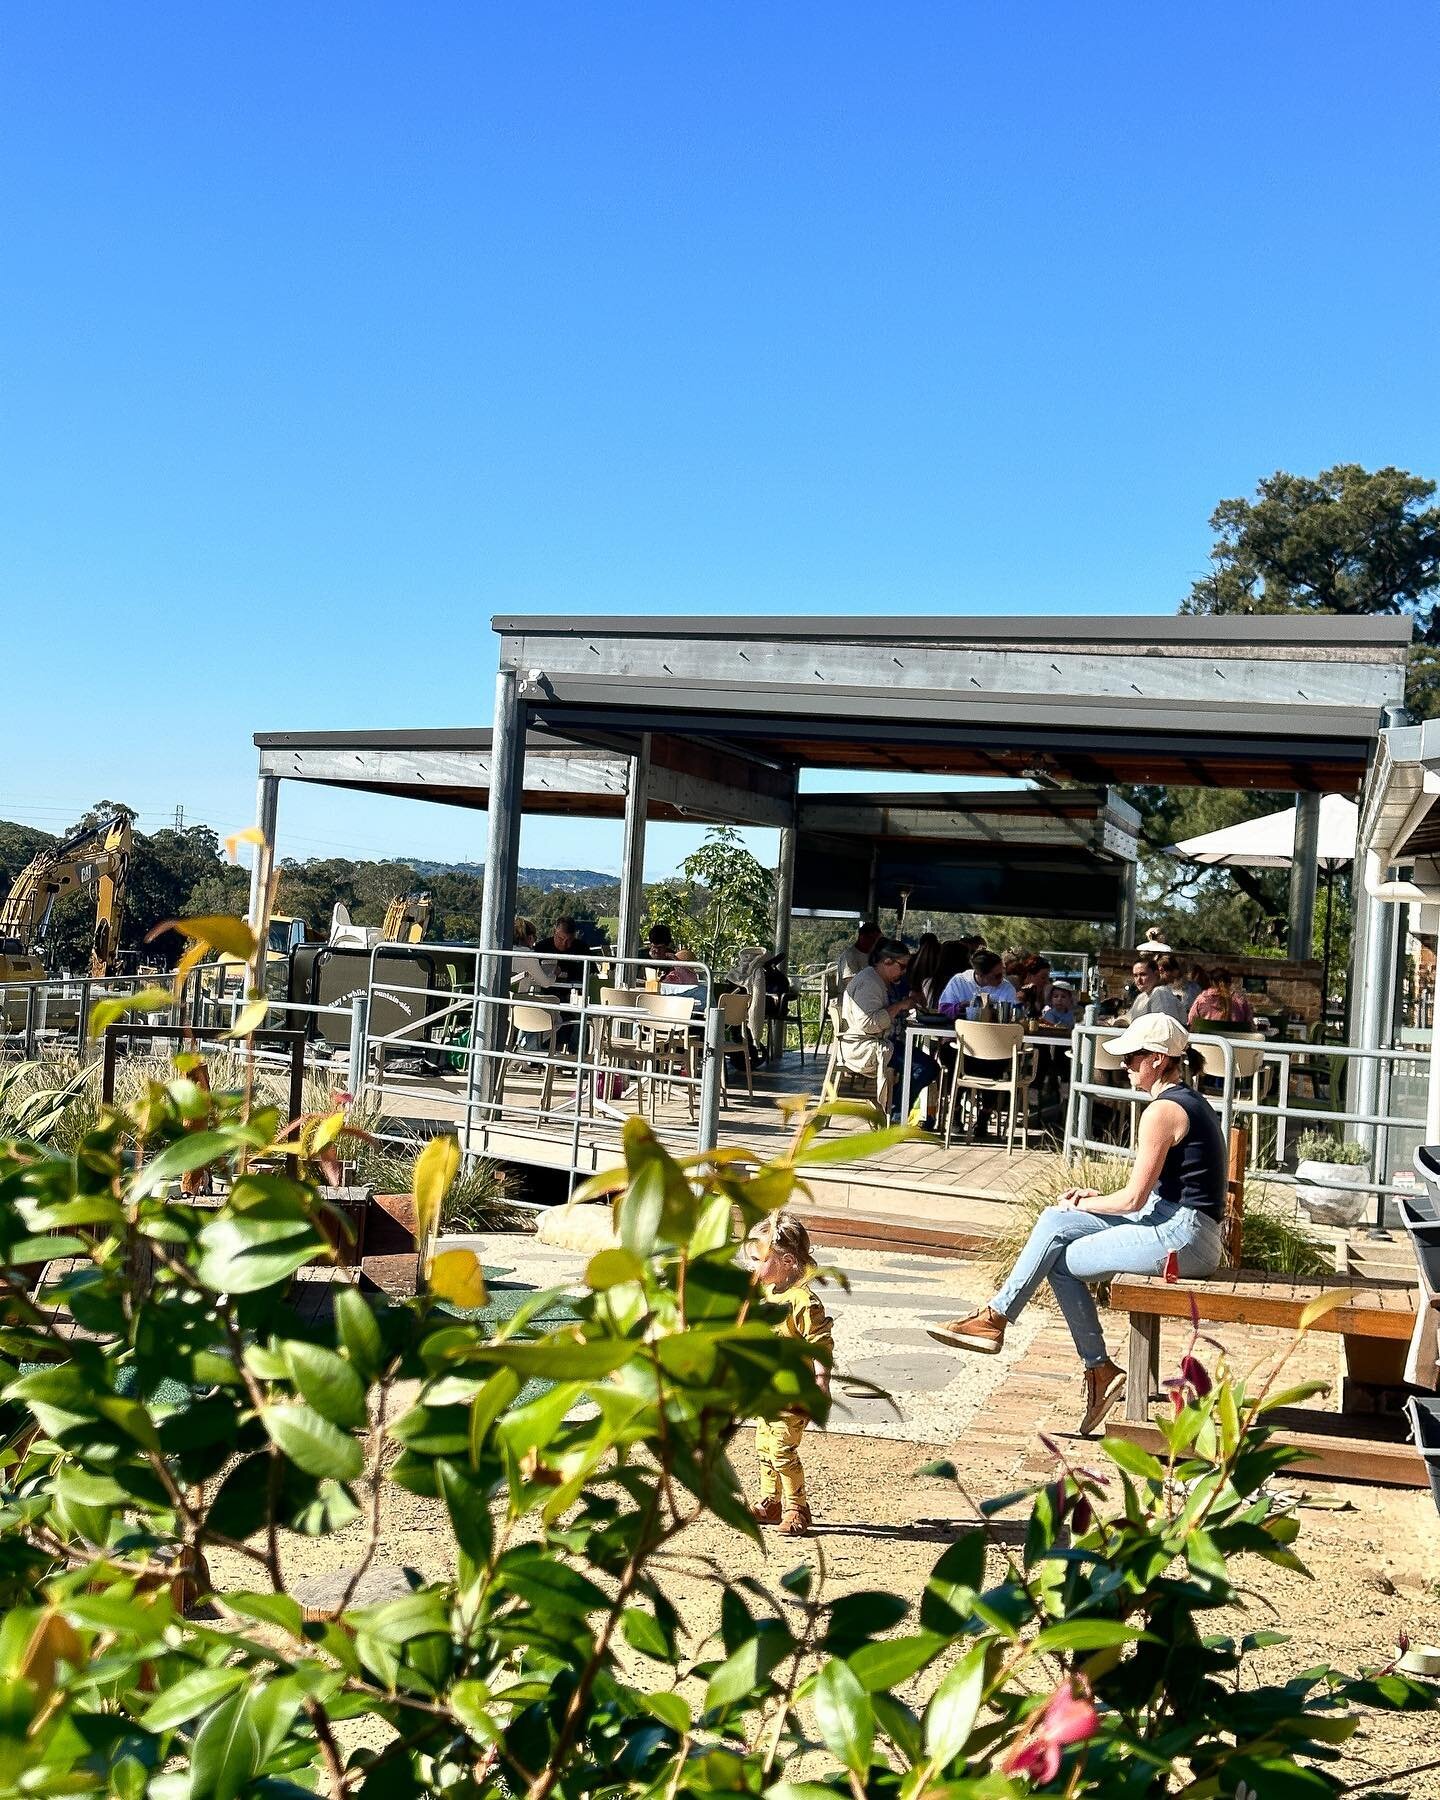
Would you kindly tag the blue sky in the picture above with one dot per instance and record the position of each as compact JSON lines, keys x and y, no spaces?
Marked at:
{"x":331,"y":331}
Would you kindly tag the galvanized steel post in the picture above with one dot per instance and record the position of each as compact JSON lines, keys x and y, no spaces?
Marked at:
{"x":502,"y":857}
{"x":267,"y":802}
{"x":632,"y":863}
{"x":1304,"y":871}
{"x":359,"y":1025}
{"x":784,"y":898}
{"x":709,"y":1125}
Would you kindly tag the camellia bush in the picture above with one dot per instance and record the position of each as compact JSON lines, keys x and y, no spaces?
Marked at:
{"x":169,"y":1407}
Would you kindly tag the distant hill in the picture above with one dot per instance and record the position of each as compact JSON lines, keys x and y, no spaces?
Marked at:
{"x":572,"y":881}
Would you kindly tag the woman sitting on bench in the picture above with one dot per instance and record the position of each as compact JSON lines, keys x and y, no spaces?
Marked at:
{"x":1173,"y":1203}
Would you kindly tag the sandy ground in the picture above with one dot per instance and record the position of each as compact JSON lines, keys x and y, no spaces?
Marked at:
{"x":1375,"y":1562}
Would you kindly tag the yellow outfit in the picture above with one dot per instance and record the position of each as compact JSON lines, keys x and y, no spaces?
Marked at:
{"x":777,"y":1441}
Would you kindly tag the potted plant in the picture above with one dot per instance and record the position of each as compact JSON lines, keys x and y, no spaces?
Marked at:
{"x":1326,"y":1185}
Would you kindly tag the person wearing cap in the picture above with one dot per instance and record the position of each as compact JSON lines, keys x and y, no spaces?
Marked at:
{"x":1173,"y":1204}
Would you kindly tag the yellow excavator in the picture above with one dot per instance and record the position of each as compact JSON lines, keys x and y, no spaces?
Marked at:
{"x":98,"y":858}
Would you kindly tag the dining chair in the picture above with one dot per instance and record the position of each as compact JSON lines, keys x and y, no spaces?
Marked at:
{"x":619,"y":1046}
{"x":829,"y":998}
{"x":672,"y":1041}
{"x":536,"y":1023}
{"x":981,"y":1041}
{"x":874,"y":1084}
{"x":735,"y":1016}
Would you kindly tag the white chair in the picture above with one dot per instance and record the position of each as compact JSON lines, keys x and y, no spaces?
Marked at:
{"x":672,"y":1041}
{"x":535,"y":1022}
{"x":829,"y":997}
{"x":619,"y":1046}
{"x":983,"y":1041}
{"x":735,"y":1016}
{"x":874,"y":1083}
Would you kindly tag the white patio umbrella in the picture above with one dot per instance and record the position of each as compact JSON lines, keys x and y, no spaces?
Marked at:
{"x":1269,"y":843}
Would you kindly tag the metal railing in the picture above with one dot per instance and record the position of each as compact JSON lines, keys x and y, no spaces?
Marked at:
{"x":473,"y":1029}
{"x":1235,"y":1104}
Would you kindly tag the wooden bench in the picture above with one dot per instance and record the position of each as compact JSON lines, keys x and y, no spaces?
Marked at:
{"x":1370,"y":1447}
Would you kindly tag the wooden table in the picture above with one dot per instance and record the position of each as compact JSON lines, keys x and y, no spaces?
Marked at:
{"x":1351,"y":1445}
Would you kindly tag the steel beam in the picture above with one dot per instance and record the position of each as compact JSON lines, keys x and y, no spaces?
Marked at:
{"x":569,"y":779}
{"x":632,"y":861}
{"x":1304,"y":872}
{"x":1148,"y":674}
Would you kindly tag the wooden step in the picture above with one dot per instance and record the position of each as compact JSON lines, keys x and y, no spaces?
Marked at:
{"x":884,"y":1231}
{"x":1333,"y":1450}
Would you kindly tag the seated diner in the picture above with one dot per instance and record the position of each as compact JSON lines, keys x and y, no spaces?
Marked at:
{"x":871,"y":1018}
{"x":1172,"y":1204}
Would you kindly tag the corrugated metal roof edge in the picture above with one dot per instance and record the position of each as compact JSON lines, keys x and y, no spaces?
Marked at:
{"x":1130,"y":628}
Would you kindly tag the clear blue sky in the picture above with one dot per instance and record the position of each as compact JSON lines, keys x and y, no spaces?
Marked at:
{"x":329,"y":331}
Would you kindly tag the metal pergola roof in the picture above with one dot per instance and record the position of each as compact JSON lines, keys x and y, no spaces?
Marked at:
{"x":1260,"y":701}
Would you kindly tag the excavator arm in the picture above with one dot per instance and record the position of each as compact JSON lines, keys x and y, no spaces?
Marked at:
{"x":406,"y":919}
{"x":100,"y":858}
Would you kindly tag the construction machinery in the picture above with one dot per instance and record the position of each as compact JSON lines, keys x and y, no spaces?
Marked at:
{"x":97,"y":858}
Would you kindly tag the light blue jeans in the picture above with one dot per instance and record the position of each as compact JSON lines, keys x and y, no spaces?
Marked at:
{"x":1070,"y":1248}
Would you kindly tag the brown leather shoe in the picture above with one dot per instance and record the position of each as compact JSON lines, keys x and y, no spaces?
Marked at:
{"x":796,"y":1522}
{"x":766,"y":1511}
{"x":1104,"y":1388}
{"x":983,"y":1331}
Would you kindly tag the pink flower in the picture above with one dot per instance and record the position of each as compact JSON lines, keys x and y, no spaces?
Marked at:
{"x":1069,"y":1718}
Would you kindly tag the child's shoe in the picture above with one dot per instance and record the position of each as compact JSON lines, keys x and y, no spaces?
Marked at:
{"x":766,"y":1511}
{"x":796,"y":1522}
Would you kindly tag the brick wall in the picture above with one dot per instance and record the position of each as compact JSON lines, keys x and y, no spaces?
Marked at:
{"x":1268,"y":981}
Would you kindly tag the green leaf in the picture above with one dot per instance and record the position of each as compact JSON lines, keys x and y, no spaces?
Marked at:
{"x":747,"y":1668}
{"x":563,"y":1357}
{"x":857,"y":1145}
{"x":1132,"y":1458}
{"x":950,"y":1716}
{"x":106,"y":1012}
{"x":469,"y":1510}
{"x":844,"y":1715}
{"x":1090,"y":1634}
{"x":312,"y":1443}
{"x":190,"y":1696}
{"x":487,"y":1406}
{"x":328,"y":1382}
{"x":193,"y":1152}
{"x":242,"y":1252}
{"x":359,"y":1333}
{"x":608,"y":1268}
{"x":642,"y":1632}
{"x":642,"y":1206}
{"x":669,"y":1708}
{"x":226,"y":1752}
{"x":894,"y":1660}
{"x":273,"y":1609}
{"x":953,"y":1584}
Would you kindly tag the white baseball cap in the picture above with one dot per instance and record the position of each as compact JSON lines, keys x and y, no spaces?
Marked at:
{"x":1154,"y":1031}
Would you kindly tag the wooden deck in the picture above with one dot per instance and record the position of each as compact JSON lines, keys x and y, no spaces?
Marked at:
{"x":955,"y":1196}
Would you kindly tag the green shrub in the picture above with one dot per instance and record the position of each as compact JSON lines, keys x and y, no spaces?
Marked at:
{"x":1320,"y":1146}
{"x":199,"y":1410}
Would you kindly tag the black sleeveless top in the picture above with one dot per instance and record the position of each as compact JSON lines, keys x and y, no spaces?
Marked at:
{"x":1195,"y":1170}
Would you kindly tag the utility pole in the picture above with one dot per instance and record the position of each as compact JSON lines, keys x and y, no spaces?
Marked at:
{"x":180,"y":817}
